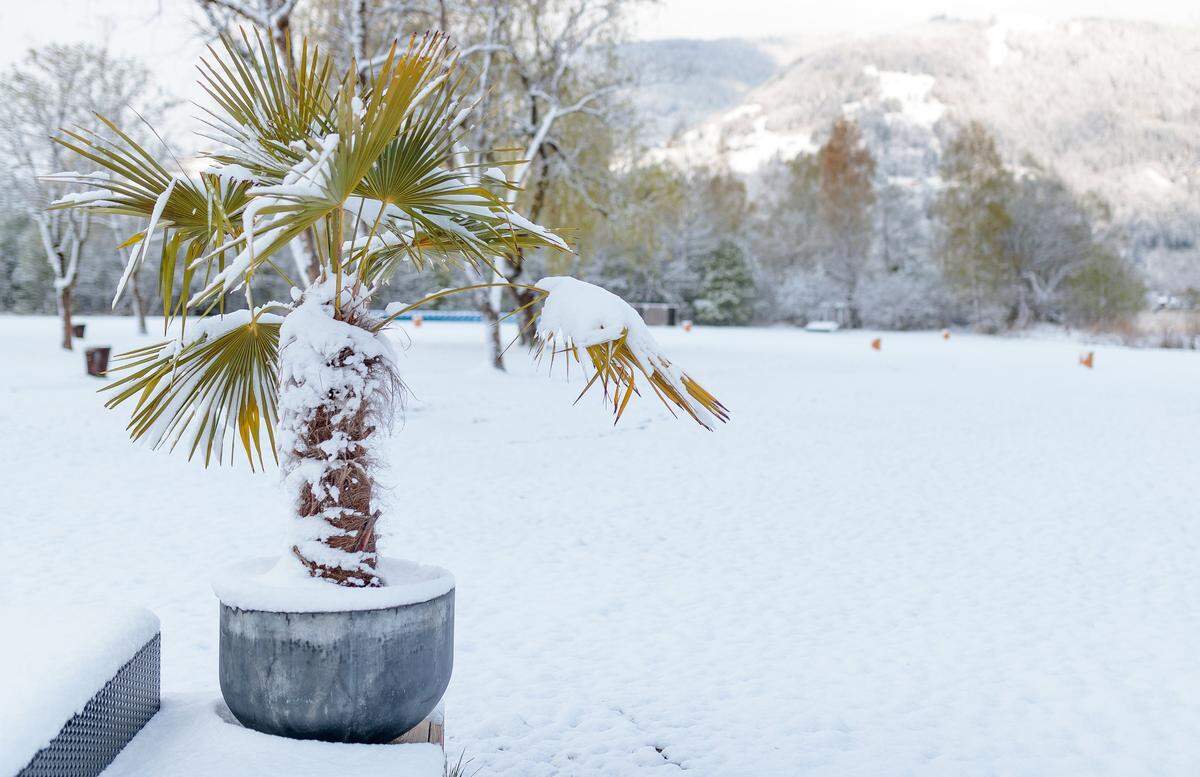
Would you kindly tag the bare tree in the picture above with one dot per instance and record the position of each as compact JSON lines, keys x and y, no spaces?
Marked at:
{"x":557,"y":63}
{"x":121,"y":229}
{"x":62,"y":86}
{"x":272,"y":16}
{"x":537,"y":64}
{"x":1049,"y":240}
{"x":847,"y":194}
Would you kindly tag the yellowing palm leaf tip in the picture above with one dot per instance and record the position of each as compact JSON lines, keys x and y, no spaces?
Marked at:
{"x":370,"y":171}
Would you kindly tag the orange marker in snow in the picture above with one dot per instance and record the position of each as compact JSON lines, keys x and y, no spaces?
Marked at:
{"x":877,"y":344}
{"x":1087,"y":358}
{"x":945,"y":334}
{"x":687,"y":325}
{"x":418,"y":320}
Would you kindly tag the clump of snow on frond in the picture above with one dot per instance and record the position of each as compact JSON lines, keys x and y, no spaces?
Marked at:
{"x":95,"y":198}
{"x":578,"y":315}
{"x":234,"y":172}
{"x":337,"y":391}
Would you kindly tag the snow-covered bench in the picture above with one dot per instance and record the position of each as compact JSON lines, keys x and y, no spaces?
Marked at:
{"x":76,"y":685}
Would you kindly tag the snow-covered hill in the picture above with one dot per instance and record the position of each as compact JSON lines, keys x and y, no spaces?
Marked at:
{"x":681,"y":82}
{"x":1112,"y":106}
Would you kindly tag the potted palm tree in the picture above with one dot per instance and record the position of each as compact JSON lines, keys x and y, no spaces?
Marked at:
{"x":329,"y":641}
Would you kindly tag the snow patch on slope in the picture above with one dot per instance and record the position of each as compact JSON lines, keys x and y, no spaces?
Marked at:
{"x":743,"y":153}
{"x":913,"y":91}
{"x":997,"y":35}
{"x":742,"y":111}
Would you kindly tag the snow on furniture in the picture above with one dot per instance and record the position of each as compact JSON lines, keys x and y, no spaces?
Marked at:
{"x":195,"y":735}
{"x":77,"y":686}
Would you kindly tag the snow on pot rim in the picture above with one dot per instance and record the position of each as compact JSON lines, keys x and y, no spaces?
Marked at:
{"x":274,"y":584}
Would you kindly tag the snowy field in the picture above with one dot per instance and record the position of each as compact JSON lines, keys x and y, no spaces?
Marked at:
{"x":963,"y":557}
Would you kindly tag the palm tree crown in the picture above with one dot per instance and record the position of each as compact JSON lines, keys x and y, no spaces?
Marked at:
{"x":369,"y":169}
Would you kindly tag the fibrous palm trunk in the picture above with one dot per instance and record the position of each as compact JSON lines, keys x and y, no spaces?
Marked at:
{"x":337,"y":389}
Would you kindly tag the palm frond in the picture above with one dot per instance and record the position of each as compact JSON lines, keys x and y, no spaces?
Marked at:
{"x":425,"y":202}
{"x":213,"y":390}
{"x":267,"y":102}
{"x":598,"y":330}
{"x":318,"y":186}
{"x":194,"y":215}
{"x":615,"y":367}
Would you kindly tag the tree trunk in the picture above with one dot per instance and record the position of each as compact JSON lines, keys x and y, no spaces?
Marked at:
{"x":64,"y":312}
{"x":1019,"y":313}
{"x":139,"y":304}
{"x":305,"y":258}
{"x":334,"y":410}
{"x":852,"y":304}
{"x":491,"y":320}
{"x":527,"y":319}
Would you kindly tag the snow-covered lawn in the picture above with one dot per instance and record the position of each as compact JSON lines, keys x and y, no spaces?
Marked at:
{"x":963,"y":557}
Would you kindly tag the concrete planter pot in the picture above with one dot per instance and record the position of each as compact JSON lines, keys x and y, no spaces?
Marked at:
{"x":348,"y":675}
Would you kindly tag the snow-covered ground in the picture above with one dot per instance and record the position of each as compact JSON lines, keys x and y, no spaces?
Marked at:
{"x":962,"y":557}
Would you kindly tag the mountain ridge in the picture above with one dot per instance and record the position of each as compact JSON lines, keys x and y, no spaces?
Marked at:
{"x":1111,"y":106}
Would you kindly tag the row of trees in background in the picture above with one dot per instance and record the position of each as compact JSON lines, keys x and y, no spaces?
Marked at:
{"x":831,"y":234}
{"x":47,"y":252}
{"x":824,"y":236}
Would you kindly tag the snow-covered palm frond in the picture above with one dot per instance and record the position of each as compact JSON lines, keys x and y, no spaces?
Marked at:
{"x":268,"y":106}
{"x":616,"y":347}
{"x":133,"y":183}
{"x":422,"y":200}
{"x":316,"y":190}
{"x":276,"y":214}
{"x":212,"y":388}
{"x":194,"y":215}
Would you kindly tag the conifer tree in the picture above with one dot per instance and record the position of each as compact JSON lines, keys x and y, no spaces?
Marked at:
{"x":727,"y":294}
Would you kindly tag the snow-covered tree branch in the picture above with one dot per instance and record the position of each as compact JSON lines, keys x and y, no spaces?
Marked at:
{"x":63,"y":86}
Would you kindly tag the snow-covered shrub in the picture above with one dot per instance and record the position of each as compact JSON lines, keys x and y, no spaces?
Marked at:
{"x":906,"y":299}
{"x":804,"y":295}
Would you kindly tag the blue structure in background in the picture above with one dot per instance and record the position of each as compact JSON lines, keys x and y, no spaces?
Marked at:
{"x":443,"y":315}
